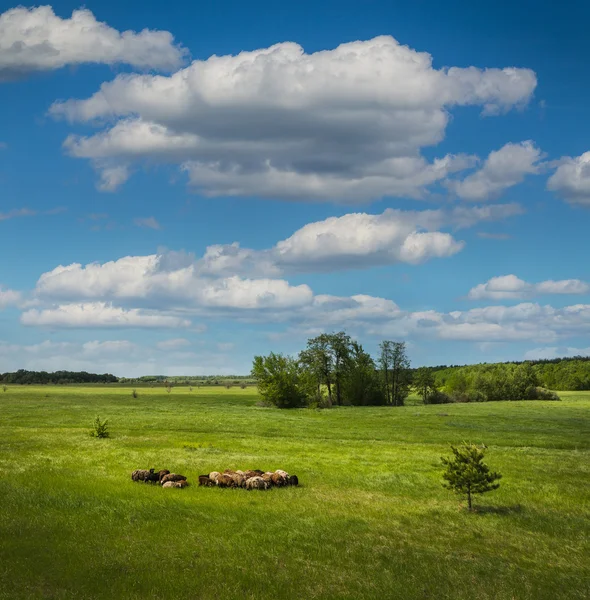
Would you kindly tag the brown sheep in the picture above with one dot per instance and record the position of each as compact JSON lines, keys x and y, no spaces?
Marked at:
{"x":162,"y":473}
{"x":282,"y":473}
{"x":206,"y":480}
{"x":253,"y":473}
{"x":140,"y":475}
{"x":225,"y":481}
{"x":278,"y":480}
{"x":256,"y":483}
{"x":172,"y":477}
{"x":267,"y":477}
{"x":175,"y":484}
{"x":214,"y":475}
{"x":239,"y":480}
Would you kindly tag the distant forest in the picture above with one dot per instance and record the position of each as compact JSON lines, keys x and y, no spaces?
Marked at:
{"x":568,"y":374}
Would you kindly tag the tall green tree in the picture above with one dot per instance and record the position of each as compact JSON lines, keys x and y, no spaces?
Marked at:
{"x":466,"y":473}
{"x":361,"y":383}
{"x":395,"y":366}
{"x":424,"y":383}
{"x":340,"y":345}
{"x":318,"y":360}
{"x":279,"y":380}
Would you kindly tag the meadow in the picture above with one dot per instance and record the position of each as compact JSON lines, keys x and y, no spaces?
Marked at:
{"x":369,"y":520}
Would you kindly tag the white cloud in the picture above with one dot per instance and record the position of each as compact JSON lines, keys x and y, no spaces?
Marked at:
{"x":173,"y":344}
{"x":549,"y":352}
{"x":231,"y":277}
{"x":111,"y":177}
{"x":503,"y":168}
{"x":36,"y":39}
{"x":9,"y":298}
{"x":356,"y":240}
{"x":571,"y":179}
{"x":120,"y":357}
{"x":148,"y":222}
{"x":345,"y":124}
{"x":511,"y":287}
{"x":99,"y":315}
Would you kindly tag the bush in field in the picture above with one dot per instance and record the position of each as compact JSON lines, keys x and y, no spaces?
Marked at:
{"x":438,"y":397}
{"x":466,"y":473}
{"x":100,"y":428}
{"x":135,"y":394}
{"x":4,"y":388}
{"x":544,"y":394}
{"x":279,"y":380}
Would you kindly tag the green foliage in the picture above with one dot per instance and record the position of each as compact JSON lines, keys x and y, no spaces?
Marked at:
{"x":423,"y":381}
{"x":466,"y":473}
{"x":100,"y":428}
{"x":361,"y":384}
{"x":395,"y":369}
{"x":279,"y":380}
{"x":134,"y":393}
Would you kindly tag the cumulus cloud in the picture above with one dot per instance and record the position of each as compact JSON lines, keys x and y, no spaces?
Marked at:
{"x":9,"y":298}
{"x":228,"y":276}
{"x":345,"y":124}
{"x":503,"y":168}
{"x":99,"y":315}
{"x":571,"y":179}
{"x":511,"y":287}
{"x":36,"y":39}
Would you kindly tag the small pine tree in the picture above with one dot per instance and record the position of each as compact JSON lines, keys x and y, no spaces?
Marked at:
{"x":466,"y":473}
{"x":100,"y":428}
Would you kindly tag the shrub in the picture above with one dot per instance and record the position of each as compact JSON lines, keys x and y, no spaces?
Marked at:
{"x":243,"y":386}
{"x":134,"y":393}
{"x":545,"y":394}
{"x":437,"y":397}
{"x":4,"y":388}
{"x":100,"y":428}
{"x":168,"y":388}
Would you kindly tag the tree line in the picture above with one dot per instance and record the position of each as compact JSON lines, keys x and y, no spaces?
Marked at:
{"x":24,"y":377}
{"x":334,"y":369}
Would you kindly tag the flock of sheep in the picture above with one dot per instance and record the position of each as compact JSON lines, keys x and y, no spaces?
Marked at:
{"x":250,"y":480}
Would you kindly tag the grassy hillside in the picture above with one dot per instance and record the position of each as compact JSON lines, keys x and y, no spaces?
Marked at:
{"x":370,"y":520}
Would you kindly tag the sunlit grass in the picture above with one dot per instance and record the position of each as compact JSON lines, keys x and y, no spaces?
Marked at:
{"x":370,"y":520}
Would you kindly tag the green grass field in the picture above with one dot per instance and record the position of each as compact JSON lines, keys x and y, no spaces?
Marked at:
{"x":370,"y":520}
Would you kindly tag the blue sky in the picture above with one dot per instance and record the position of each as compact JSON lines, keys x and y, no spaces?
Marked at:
{"x":183,"y":187}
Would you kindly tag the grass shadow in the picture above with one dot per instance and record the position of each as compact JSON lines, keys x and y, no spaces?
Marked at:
{"x":498,"y":510}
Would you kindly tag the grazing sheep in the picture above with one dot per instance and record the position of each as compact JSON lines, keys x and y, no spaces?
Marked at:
{"x":253,"y":473}
{"x":172,"y":477}
{"x":225,"y":480}
{"x":293,"y":480}
{"x":282,"y":473}
{"x":141,"y":475}
{"x":206,"y":480}
{"x":267,"y":478}
{"x":256,"y":483}
{"x":278,"y":480}
{"x":162,"y":473}
{"x":239,"y":480}
{"x":153,"y":477}
{"x":175,"y":484}
{"x":214,"y":475}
